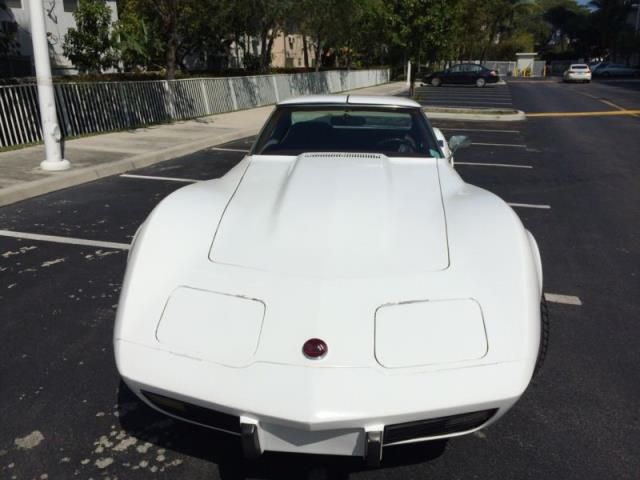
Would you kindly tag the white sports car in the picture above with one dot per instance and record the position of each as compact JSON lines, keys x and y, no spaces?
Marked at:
{"x":339,"y":291}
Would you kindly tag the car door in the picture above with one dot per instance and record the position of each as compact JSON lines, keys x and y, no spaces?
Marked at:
{"x":473,"y":73}
{"x":453,"y":74}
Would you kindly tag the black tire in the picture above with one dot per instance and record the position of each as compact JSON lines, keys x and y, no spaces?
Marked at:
{"x":480,"y":82}
{"x":436,"y":82}
{"x":544,"y":336}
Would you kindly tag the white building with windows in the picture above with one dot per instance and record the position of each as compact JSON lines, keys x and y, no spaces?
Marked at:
{"x":59,"y":19}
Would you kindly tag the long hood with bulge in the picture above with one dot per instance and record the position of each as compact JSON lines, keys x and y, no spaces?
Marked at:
{"x":335,"y":215}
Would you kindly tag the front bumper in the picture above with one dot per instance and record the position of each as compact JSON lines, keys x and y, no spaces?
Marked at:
{"x":333,"y":411}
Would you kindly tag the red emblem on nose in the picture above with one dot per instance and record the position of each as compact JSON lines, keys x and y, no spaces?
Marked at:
{"x":314,"y":348}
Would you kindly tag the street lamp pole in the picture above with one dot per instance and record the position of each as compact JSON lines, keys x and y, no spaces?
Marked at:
{"x":46,"y":100}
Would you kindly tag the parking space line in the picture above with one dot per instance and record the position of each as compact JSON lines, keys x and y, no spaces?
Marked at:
{"x":166,"y":179}
{"x":478,"y":130}
{"x":583,"y":114}
{"x":611,"y":104}
{"x":563,"y":299}
{"x":65,"y":240}
{"x":512,"y":145}
{"x":601,"y":100}
{"x":462,"y":102}
{"x":224,"y":149}
{"x":529,"y":205}
{"x":458,"y":95}
{"x":480,"y":164}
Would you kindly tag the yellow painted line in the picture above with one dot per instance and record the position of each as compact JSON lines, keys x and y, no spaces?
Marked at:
{"x":585,"y":114}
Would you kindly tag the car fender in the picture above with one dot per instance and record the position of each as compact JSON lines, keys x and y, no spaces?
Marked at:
{"x":535,"y":251}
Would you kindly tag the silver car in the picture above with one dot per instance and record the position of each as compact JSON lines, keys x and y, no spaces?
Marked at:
{"x":615,"y":70}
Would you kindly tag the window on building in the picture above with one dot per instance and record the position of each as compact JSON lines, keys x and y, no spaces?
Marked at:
{"x":70,"y":5}
{"x":14,"y":3}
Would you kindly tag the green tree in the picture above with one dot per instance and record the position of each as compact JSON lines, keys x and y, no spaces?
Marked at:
{"x":609,"y":20}
{"x":8,"y":43}
{"x":422,"y":28}
{"x":139,"y":43}
{"x":90,"y":45}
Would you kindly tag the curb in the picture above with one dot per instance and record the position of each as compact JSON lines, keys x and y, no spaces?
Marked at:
{"x":72,"y":178}
{"x":517,"y":116}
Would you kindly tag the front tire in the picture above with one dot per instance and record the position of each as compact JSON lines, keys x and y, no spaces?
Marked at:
{"x":480,"y":82}
{"x":544,"y":336}
{"x":436,"y":82}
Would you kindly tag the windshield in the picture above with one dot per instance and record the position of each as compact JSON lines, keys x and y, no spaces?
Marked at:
{"x":296,"y":129}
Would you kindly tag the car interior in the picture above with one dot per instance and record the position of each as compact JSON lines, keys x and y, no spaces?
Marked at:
{"x":346,"y":132}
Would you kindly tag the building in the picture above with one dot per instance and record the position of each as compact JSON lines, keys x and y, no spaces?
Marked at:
{"x":288,"y":51}
{"x":59,"y":19}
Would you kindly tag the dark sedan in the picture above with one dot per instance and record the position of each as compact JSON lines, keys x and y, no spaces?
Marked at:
{"x":463,"y":74}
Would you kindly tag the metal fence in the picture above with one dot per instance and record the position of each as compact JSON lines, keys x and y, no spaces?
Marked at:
{"x":109,"y":106}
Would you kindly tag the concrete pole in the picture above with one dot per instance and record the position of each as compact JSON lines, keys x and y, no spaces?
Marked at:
{"x":409,"y":73}
{"x":50,"y":129}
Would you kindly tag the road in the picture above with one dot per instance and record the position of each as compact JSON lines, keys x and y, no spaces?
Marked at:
{"x":577,"y":183}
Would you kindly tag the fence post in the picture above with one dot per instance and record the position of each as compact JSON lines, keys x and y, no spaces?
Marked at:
{"x":204,"y":94}
{"x":234,"y":100}
{"x":275,"y":88}
{"x":169,"y":98}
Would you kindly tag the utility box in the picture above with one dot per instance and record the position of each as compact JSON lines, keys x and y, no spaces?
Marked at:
{"x":525,"y":63}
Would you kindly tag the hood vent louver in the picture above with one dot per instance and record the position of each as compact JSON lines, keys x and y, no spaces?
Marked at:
{"x":377,"y":156}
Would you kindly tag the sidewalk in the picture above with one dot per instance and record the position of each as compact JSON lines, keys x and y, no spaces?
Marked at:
{"x":107,"y":154}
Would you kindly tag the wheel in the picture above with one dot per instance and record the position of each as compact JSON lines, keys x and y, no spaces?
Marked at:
{"x":544,"y":336}
{"x":480,"y":82}
{"x":436,"y":82}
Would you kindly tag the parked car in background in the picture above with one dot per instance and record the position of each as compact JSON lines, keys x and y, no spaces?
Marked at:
{"x":615,"y":70}
{"x":462,"y":74}
{"x":577,"y":72}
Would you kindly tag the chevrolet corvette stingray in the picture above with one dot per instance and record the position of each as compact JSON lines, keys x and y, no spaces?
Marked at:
{"x":339,"y":291}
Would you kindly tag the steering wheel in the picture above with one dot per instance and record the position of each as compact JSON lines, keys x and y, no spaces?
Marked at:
{"x":398,"y":144}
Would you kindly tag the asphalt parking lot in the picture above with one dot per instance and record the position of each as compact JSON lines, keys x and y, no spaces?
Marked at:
{"x":572,"y":180}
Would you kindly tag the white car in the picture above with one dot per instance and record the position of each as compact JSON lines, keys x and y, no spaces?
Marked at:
{"x":339,"y":291}
{"x":577,"y":72}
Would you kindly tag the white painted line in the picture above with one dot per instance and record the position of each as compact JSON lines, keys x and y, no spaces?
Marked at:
{"x":223,"y":149}
{"x":563,"y":299}
{"x":512,"y":145}
{"x":463,"y":103}
{"x":480,"y":164}
{"x":65,"y":240}
{"x":492,"y":96}
{"x":478,"y":130}
{"x":529,"y":205}
{"x":463,"y":95}
{"x":169,"y":179}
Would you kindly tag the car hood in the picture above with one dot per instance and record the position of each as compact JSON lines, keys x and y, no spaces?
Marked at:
{"x":335,"y":215}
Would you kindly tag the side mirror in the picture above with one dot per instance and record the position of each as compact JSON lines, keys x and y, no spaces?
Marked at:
{"x":459,"y":141}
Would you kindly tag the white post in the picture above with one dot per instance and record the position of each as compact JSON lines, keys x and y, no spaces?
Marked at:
{"x":50,"y":129}
{"x":409,"y":73}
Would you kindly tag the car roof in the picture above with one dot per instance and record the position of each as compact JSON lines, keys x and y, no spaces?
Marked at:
{"x":378,"y":100}
{"x":578,"y":65}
